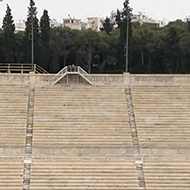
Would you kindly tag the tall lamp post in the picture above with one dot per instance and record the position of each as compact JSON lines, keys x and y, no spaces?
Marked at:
{"x":127,"y":43}
{"x":32,"y":43}
{"x":33,"y":9}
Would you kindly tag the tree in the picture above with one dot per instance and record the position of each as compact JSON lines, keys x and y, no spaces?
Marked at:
{"x":172,"y":50}
{"x":121,"y":20}
{"x":143,"y":45}
{"x":28,"y":31}
{"x":54,"y":50}
{"x":8,"y":40}
{"x":1,"y":47}
{"x":62,"y":47}
{"x":105,"y":52}
{"x":19,"y":46}
{"x":108,"y":26}
{"x":118,"y":19}
{"x":87,"y":42}
{"x":44,"y":29}
{"x":188,"y":27}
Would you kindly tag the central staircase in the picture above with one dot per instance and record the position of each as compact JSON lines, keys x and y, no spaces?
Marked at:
{"x":81,"y":139}
{"x":72,"y":70}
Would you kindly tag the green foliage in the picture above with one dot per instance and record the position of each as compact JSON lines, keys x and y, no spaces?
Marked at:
{"x":121,"y":20}
{"x":188,"y":22}
{"x":108,"y":26}
{"x":8,"y":37}
{"x":28,"y":31}
{"x":1,"y":47}
{"x":151,"y":49}
{"x":19,"y":47}
{"x":172,"y":50}
{"x":62,"y":47}
{"x":87,"y":43}
{"x":44,"y":36}
{"x":106,"y":52}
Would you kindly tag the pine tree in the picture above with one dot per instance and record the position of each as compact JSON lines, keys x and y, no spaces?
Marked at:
{"x":28,"y":31}
{"x":8,"y":36}
{"x":172,"y":50}
{"x":108,"y":26}
{"x":44,"y":28}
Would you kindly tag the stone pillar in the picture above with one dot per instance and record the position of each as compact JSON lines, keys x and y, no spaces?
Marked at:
{"x":126,"y":79}
{"x":32,"y":79}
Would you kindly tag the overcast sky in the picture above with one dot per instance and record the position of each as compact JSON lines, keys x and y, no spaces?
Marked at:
{"x":167,"y":10}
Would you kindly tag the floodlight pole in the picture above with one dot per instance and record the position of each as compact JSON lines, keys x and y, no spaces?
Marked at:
{"x":127,"y":42}
{"x":32,"y":43}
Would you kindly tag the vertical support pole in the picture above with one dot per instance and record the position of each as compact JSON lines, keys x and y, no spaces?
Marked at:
{"x":127,"y":42}
{"x":77,"y":79}
{"x":32,"y":44}
{"x":9,"y":68}
{"x":34,"y":70}
{"x":22,"y":69}
{"x":67,"y":79}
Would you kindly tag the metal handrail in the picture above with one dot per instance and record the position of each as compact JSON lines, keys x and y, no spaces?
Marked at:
{"x":84,"y":73}
{"x":40,"y":69}
{"x":61,"y":72}
{"x":20,"y":68}
{"x":72,"y":70}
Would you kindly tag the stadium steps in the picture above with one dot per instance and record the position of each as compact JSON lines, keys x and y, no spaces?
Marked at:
{"x":11,"y":171}
{"x":13,"y":117}
{"x":81,"y":117}
{"x":167,"y":175}
{"x":82,"y":132}
{"x":162,"y":116}
{"x":80,"y":175}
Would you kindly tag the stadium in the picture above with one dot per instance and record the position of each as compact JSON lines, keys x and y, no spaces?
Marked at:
{"x":75,"y":131}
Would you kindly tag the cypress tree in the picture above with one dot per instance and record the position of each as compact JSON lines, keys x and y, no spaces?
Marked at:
{"x":121,"y":20}
{"x":28,"y":31}
{"x":8,"y":36}
{"x":44,"y":29}
{"x":108,"y":26}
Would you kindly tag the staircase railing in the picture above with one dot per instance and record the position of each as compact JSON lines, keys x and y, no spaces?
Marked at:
{"x":20,"y":68}
{"x":59,"y":75}
{"x":85,"y":75}
{"x":72,"y":70}
{"x":40,"y":69}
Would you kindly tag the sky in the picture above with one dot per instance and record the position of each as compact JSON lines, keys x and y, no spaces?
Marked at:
{"x":167,"y":10}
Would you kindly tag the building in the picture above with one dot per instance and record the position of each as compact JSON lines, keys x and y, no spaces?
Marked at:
{"x":142,"y":19}
{"x":113,"y":15}
{"x":94,"y":23}
{"x":20,"y":26}
{"x":72,"y":23}
{"x":54,"y":23}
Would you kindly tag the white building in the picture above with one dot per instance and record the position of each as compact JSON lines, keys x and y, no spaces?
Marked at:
{"x":72,"y":23}
{"x":53,"y":23}
{"x":141,"y":18}
{"x":94,"y":23}
{"x":113,"y":15}
{"x":20,"y":26}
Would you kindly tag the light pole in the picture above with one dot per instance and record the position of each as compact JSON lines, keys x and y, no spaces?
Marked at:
{"x":33,"y":9}
{"x":127,"y":43}
{"x":32,"y":43}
